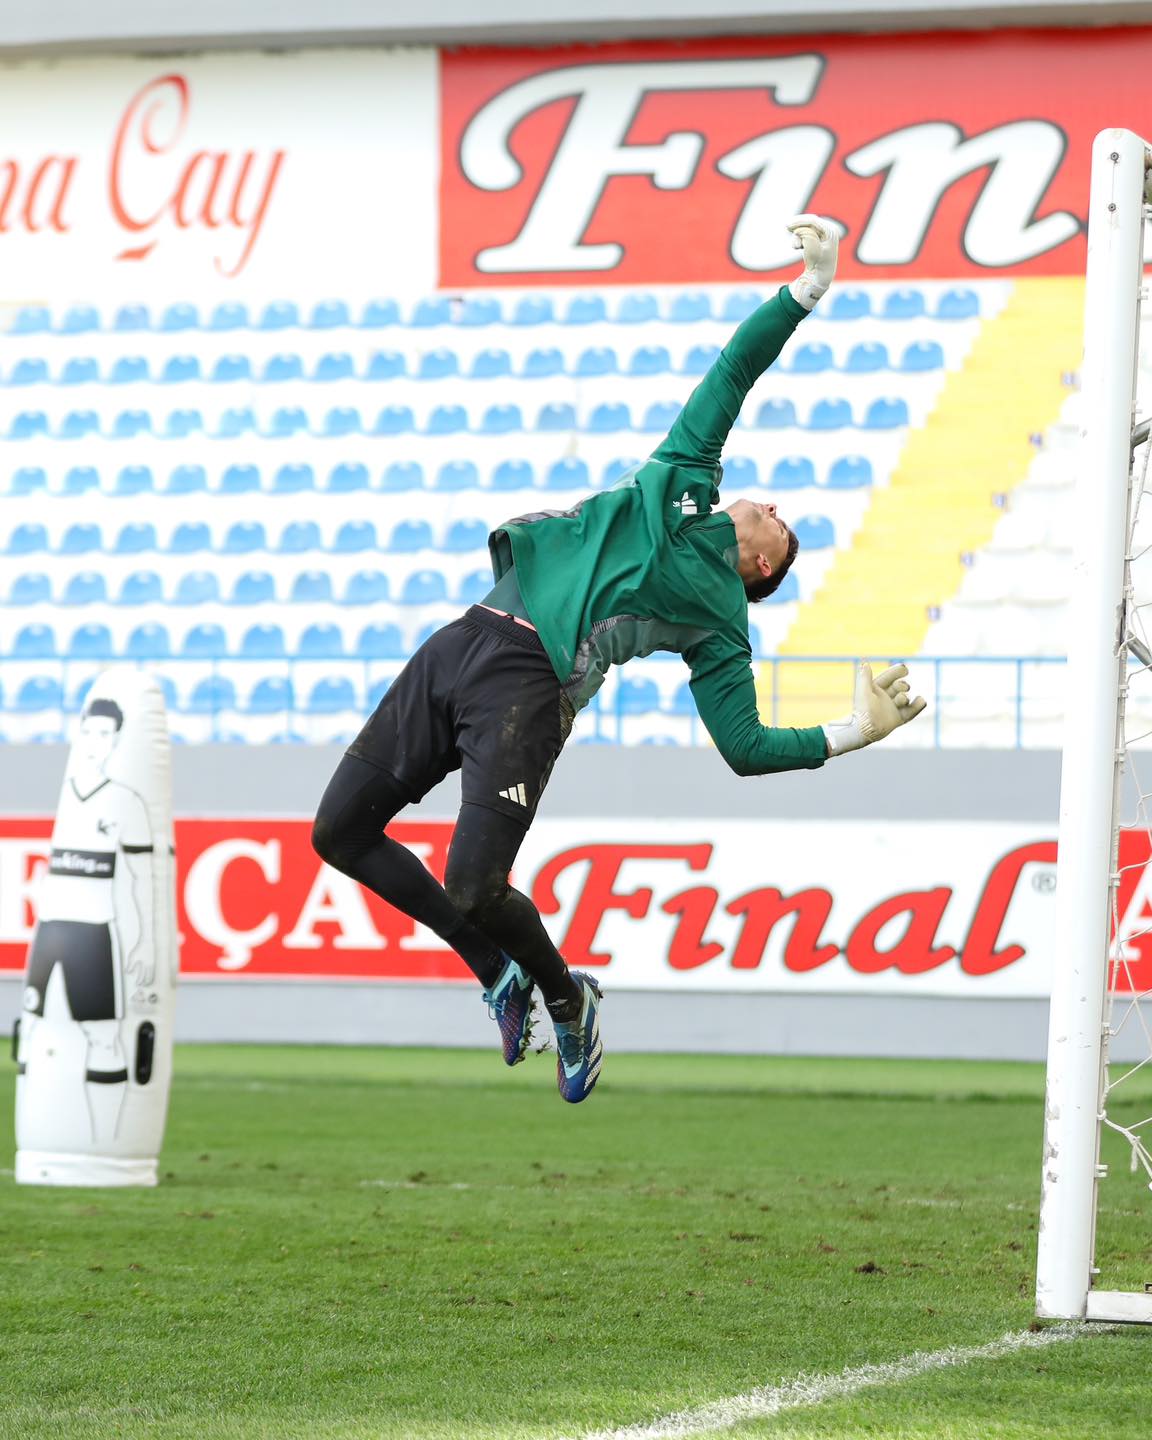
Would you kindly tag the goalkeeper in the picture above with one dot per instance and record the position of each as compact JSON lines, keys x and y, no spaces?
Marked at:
{"x":648,"y":565}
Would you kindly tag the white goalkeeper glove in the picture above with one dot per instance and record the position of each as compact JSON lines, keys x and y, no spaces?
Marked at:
{"x":879,"y":706}
{"x":819,"y":241}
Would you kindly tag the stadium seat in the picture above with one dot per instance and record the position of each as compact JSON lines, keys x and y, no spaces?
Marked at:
{"x":292,"y":479}
{"x":850,"y":472}
{"x":129,"y":370}
{"x":637,"y":697}
{"x":28,"y":423}
{"x":447,"y":420}
{"x":585,"y":310}
{"x":480,"y":310}
{"x":27,"y":480}
{"x":811,"y":359}
{"x":90,"y":642}
{"x":345,"y":478}
{"x":254,"y":587}
{"x":299,"y":536}
{"x":866,"y":358}
{"x":32,"y":588}
{"x":422,"y":635}
{"x":366,"y":587}
{"x":830,"y":415}
{"x":356,"y":536}
{"x":182,"y":423}
{"x":236,"y":421}
{"x":682,"y":702}
{"x":29,"y":371}
{"x":320,"y":642}
{"x":570,"y":473}
{"x":131,"y":318}
{"x":381,"y":642}
{"x":501,"y":420}
{"x":786,"y":593}
{"x":903,"y":304}
{"x":31,"y":320}
{"x":410,"y":536}
{"x":79,"y":319}
{"x":330,"y":695}
{"x":134,"y":480}
{"x":431,"y":312}
{"x":210,"y":695}
{"x":148,"y":642}
{"x":189,"y":537}
{"x":609,"y":419}
{"x":329,"y":315}
{"x":958,"y":305}
{"x":39,"y":692}
{"x":456,"y":475}
{"x":438,"y":365}
{"x":540,"y":364}
{"x":78,"y":424}
{"x":311,"y":587}
{"x":229,"y":315}
{"x":279,"y":315}
{"x":886,"y":414}
{"x":379,"y":313}
{"x":637,"y":309}
{"x":556,"y":416}
{"x":34,"y":642}
{"x":848,"y":305}
{"x":79,"y":370}
{"x":27,"y":539}
{"x":739,"y":305}
{"x":243,"y":537}
{"x":793,"y":472}
{"x":392,"y":420}
{"x":272,"y":695}
{"x":814,"y":532}
{"x":186,"y":480}
{"x":343,"y":420}
{"x":491,"y":365}
{"x":376,"y":692}
{"x":475,"y":587}
{"x":197,"y":587}
{"x":239,"y":480}
{"x":923,"y":355}
{"x":142,"y":587}
{"x":661,"y":416}
{"x":263,"y":642}
{"x":386,"y":365}
{"x":776,"y":415}
{"x":424,"y":587}
{"x":402,"y":475}
{"x":204,"y":642}
{"x":688,"y":307}
{"x":465,"y":535}
{"x":86,"y":587}
{"x":600,"y":360}
{"x":650,"y":360}
{"x":81,"y":540}
{"x":180,"y":316}
{"x":288,"y":420}
{"x":179,"y":368}
{"x":700,"y":359}
{"x":279,"y":368}
{"x":512,"y":475}
{"x":740,"y":471}
{"x":533,"y":310}
{"x":616,"y":470}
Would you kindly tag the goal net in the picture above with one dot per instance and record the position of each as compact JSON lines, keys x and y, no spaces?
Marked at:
{"x":1097,"y":1165}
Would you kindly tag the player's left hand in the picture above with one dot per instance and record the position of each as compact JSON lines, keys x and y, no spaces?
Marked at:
{"x":820,"y":241}
{"x":880,"y":704}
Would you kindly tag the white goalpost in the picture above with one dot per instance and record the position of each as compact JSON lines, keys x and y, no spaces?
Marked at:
{"x":1099,"y":968}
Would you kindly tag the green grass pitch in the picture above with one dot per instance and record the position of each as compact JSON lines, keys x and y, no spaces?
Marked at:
{"x":353,"y":1243}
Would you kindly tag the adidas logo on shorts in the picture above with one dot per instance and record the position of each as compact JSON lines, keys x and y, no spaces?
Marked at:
{"x":516,"y":794}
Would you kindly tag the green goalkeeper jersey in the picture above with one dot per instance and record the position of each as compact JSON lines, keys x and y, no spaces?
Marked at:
{"x":649,"y":565}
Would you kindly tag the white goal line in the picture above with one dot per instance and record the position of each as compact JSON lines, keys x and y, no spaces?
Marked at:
{"x":806,"y":1390}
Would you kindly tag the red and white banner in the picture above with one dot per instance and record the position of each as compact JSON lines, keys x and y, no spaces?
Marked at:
{"x":945,"y":155}
{"x":892,"y":908}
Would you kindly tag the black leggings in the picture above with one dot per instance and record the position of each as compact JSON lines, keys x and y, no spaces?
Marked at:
{"x":475,"y":911}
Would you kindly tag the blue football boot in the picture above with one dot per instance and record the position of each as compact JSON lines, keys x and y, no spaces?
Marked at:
{"x":510,"y":1005}
{"x":580,"y":1051}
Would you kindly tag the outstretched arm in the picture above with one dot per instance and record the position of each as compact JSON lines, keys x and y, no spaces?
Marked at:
{"x":697,"y":437}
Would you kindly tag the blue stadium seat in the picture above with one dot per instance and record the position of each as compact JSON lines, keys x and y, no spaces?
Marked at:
{"x":142,"y":587}
{"x":958,"y":305}
{"x":292,"y":479}
{"x":739,"y":305}
{"x":131,"y":318}
{"x":886,"y":414}
{"x":386,"y":365}
{"x":923,"y":355}
{"x":660,"y":416}
{"x":320,"y":642}
{"x":480,"y":310}
{"x":40,"y":692}
{"x":299,"y":536}
{"x":585,"y":310}
{"x":540,"y":364}
{"x":457,"y":475}
{"x":689,"y":306}
{"x":204,"y":642}
{"x":90,"y":642}
{"x":609,"y":418}
{"x":229,"y":315}
{"x":29,"y":372}
{"x":570,"y":473}
{"x":329,"y":315}
{"x":80,"y":370}
{"x":830,"y":415}
{"x":491,"y":364}
{"x":599,"y":360}
{"x":78,"y":319}
{"x":254,"y":587}
{"x":356,"y":536}
{"x":512,"y":475}
{"x":556,"y":416}
{"x":280,"y":368}
{"x":794,"y":472}
{"x":263,"y":642}
{"x":637,"y":697}
{"x":27,"y":424}
{"x":447,"y":420}
{"x":814,"y":532}
{"x":280,"y":315}
{"x":343,"y":420}
{"x":134,"y":480}
{"x":236,"y":421}
{"x":637,"y":309}
{"x":31,"y":320}
{"x":189,"y":537}
{"x":197,"y":587}
{"x":533,"y":310}
{"x":135,"y":539}
{"x":740,"y":471}
{"x":129,"y":370}
{"x":474,"y":587}
{"x":438,"y":365}
{"x":424,"y":587}
{"x":211,"y":694}
{"x":903,"y":304}
{"x":381,"y":642}
{"x":866,"y":359}
{"x":366,"y":587}
{"x":148,"y":642}
{"x":27,"y":480}
{"x":392,"y":420}
{"x":229,"y":368}
{"x":465,"y":535}
{"x":311,"y":587}
{"x":27,"y":539}
{"x":850,"y":472}
{"x":79,"y":424}
{"x":402,"y":475}
{"x":431,"y":312}
{"x":376,"y":692}
{"x":86,"y":587}
{"x":682,"y":702}
{"x":811,"y":359}
{"x":179,"y":368}
{"x":776,"y":415}
{"x":288,"y":420}
{"x":410,"y":536}
{"x":81,"y":539}
{"x":32,"y":588}
{"x":501,"y":420}
{"x":187,"y":480}
{"x":616,"y":470}
{"x":347,"y":477}
{"x":786,"y":593}
{"x":34,"y":642}
{"x":243,"y":537}
{"x":182,"y":423}
{"x":379,"y":313}
{"x":331,"y":695}
{"x":848,"y":305}
{"x":180,"y":316}
{"x":239,"y":480}
{"x":650,"y":360}
{"x":423,"y":634}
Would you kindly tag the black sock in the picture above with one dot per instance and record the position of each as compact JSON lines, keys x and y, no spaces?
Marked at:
{"x":566,"y":1007}
{"x":483,"y":958}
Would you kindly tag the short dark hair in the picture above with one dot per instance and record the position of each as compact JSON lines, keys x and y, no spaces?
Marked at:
{"x":757,"y":590}
{"x":108,"y":709}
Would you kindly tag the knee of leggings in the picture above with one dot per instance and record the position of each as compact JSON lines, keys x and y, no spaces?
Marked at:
{"x":326,"y":842}
{"x":476,"y":897}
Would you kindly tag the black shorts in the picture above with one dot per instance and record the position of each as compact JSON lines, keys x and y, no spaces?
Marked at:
{"x":84,"y":952}
{"x":479,"y":696}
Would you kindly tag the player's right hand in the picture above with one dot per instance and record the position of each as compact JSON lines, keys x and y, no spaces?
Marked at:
{"x":820,"y":241}
{"x":880,"y":705}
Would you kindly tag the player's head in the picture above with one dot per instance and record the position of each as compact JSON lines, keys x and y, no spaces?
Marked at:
{"x":100,"y":727}
{"x":767,"y":547}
